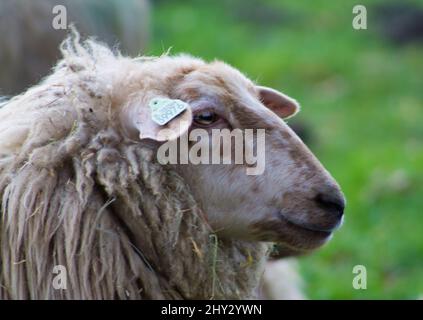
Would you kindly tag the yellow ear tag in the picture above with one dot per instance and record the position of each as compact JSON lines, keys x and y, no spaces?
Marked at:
{"x":163,"y":109}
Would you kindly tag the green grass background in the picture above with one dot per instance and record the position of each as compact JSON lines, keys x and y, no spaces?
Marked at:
{"x":363,"y":101}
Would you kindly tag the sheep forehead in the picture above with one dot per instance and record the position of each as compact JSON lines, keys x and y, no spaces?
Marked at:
{"x":219,"y":81}
{"x":230,"y":84}
{"x":228,"y":78}
{"x":192,"y":79}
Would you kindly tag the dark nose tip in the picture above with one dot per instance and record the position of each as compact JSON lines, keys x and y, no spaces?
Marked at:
{"x":332,"y":203}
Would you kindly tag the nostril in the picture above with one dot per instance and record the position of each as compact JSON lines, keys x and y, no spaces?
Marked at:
{"x":332,"y":203}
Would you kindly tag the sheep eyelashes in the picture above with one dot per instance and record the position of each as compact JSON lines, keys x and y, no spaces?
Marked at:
{"x":164,"y":110}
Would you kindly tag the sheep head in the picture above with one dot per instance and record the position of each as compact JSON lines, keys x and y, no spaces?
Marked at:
{"x":294,"y":201}
{"x":83,"y":186}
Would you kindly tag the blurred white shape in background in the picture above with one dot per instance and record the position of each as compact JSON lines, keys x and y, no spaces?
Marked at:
{"x":29,"y":43}
{"x":281,"y":280}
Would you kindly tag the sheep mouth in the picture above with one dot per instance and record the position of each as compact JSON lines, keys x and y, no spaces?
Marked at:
{"x":291,"y":234}
{"x":306,"y":228}
{"x":301,"y":238}
{"x":328,"y":228}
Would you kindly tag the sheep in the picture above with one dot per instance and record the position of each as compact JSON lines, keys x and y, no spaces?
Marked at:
{"x":29,"y":48}
{"x":81,"y":185}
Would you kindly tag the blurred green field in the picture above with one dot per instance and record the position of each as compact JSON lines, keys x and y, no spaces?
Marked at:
{"x":363,"y":101}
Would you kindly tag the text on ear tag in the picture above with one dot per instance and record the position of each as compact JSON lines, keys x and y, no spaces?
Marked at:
{"x":163,"y":110}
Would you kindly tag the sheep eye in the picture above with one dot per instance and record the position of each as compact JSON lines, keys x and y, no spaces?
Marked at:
{"x":205,"y":118}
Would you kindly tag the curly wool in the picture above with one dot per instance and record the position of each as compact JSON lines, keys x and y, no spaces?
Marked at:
{"x":76,"y":192}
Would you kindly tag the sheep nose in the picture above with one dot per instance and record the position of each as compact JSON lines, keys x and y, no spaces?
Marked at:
{"x":332,"y":203}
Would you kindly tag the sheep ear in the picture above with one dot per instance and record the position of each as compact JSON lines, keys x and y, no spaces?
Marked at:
{"x":279,"y":103}
{"x":170,"y":131}
{"x":141,"y":125}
